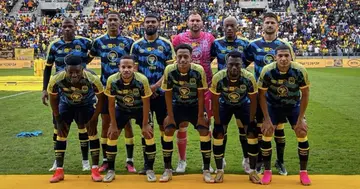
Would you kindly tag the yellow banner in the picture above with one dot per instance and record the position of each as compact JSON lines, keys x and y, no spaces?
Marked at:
{"x":351,"y":63}
{"x":24,"y":54}
{"x":13,"y":64}
{"x":94,"y":64}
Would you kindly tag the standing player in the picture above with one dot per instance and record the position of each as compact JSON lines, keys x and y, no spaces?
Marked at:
{"x":152,"y":53}
{"x":67,"y":44}
{"x":131,"y":92}
{"x":72,"y":97}
{"x":219,"y":49}
{"x":184,"y":85}
{"x":261,"y":51}
{"x":110,"y":47}
{"x":201,"y":45}
{"x":234,"y":91}
{"x":280,"y":84}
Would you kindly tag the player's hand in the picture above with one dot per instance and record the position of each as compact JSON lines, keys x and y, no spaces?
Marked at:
{"x":201,"y":121}
{"x":153,"y":88}
{"x":92,"y":126}
{"x":147,"y":131}
{"x":267,"y":127}
{"x":45,"y":97}
{"x":113,"y":132}
{"x":169,"y":120}
{"x":154,"y":95}
{"x":301,"y":127}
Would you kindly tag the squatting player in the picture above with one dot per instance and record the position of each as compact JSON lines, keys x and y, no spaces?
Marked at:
{"x":75,"y":94}
{"x":261,"y":51}
{"x":234,"y":92}
{"x":110,"y":47}
{"x":131,"y":93}
{"x":184,"y":85}
{"x":284,"y":95}
{"x":67,"y":44}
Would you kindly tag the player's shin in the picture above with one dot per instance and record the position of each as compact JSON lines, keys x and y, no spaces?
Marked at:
{"x":84,"y":143}
{"x":280,"y":142}
{"x":303,"y":151}
{"x":129,"y":143}
{"x":205,"y":146}
{"x":168,"y":149}
{"x":54,"y":137}
{"x":94,"y":150}
{"x":103,"y":142}
{"x":243,"y":141}
{"x":218,"y":145}
{"x":182,"y":142}
{"x":150,"y":151}
{"x":253,"y":151}
{"x":266,"y":151}
{"x":111,"y":153}
{"x":60,"y":151}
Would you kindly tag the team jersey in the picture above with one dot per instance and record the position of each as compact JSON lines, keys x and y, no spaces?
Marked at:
{"x":262,"y":52}
{"x":201,"y":49}
{"x":233,"y":93}
{"x":110,"y":50}
{"x":283,"y":89}
{"x":222,"y":46}
{"x":128,"y":95}
{"x":184,"y":86}
{"x":58,"y":49}
{"x":82,"y":95}
{"x":152,"y":57}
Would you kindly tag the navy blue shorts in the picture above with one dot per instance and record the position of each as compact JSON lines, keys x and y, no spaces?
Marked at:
{"x":158,"y":106}
{"x":81,"y":114}
{"x":123,"y":117}
{"x":185,"y":114}
{"x":241,"y":112}
{"x":281,"y":115}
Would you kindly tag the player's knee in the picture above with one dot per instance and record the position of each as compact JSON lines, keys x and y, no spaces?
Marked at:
{"x":183,"y":125}
{"x":218,"y":132}
{"x":170,"y":130}
{"x":203,"y":131}
{"x":300,"y":133}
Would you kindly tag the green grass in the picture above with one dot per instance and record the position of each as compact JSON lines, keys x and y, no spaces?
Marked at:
{"x":333,"y":116}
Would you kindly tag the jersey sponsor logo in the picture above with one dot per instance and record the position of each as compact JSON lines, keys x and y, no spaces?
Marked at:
{"x":85,"y":88}
{"x":141,"y":50}
{"x":269,"y":58}
{"x":242,"y":88}
{"x":184,"y":92}
{"x":76,"y":97}
{"x":151,"y":60}
{"x":196,"y":54}
{"x":122,"y":45}
{"x":128,"y":100}
{"x":267,"y":49}
{"x":111,"y":45}
{"x":223,"y":51}
{"x":282,"y":91}
{"x":66,"y":89}
{"x":291,"y":80}
{"x":66,"y":50}
{"x":77,"y":47}
{"x":234,"y":97}
{"x":230,"y":48}
{"x":192,"y":81}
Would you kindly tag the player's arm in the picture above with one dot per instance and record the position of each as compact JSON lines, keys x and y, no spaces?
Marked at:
{"x":305,"y":93}
{"x":134,"y":53}
{"x":167,"y":85}
{"x":252,"y":95}
{"x":52,"y":89}
{"x":202,"y":86}
{"x":263,"y":84}
{"x":99,"y":92}
{"x":110,"y":93}
{"x":50,"y":59}
{"x":89,"y":45}
{"x":145,"y":97}
{"x":248,"y":55}
{"x":215,"y":95}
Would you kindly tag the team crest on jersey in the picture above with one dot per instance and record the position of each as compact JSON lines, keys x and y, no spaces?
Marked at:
{"x":85,"y":88}
{"x":77,"y":47}
{"x":196,"y":55}
{"x":151,"y":60}
{"x":110,"y":45}
{"x":234,"y":97}
{"x":267,"y":49}
{"x":242,"y":88}
{"x":122,"y":45}
{"x":240,"y":48}
{"x":229,"y":48}
{"x":128,"y":100}
{"x":184,"y":92}
{"x":66,"y":50}
{"x":269,"y":58}
{"x":192,"y":81}
{"x":223,"y":51}
{"x":112,"y":56}
{"x":161,"y":48}
{"x":76,"y":97}
{"x":136,"y":91}
{"x":291,"y":80}
{"x":282,"y":91}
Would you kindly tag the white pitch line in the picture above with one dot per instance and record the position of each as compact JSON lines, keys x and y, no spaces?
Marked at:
{"x":17,"y":94}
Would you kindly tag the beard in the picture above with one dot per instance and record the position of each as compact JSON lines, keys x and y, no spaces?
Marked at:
{"x":151,"y":31}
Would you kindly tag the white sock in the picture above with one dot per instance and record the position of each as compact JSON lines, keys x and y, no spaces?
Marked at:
{"x":129,"y":159}
{"x":105,"y":159}
{"x":95,"y":166}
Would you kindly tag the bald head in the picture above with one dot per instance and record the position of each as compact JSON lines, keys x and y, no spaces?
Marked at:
{"x":230,"y":27}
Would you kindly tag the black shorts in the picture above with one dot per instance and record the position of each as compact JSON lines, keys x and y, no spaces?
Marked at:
{"x":281,"y":115}
{"x":123,"y":117}
{"x":81,"y":114}
{"x":241,"y":112}
{"x":158,"y":106}
{"x":185,"y":114}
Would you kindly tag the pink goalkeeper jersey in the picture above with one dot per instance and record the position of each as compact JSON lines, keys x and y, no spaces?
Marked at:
{"x":201,"y":49}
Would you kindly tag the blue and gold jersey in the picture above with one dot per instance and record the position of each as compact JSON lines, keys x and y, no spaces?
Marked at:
{"x":233,"y":92}
{"x":128,"y":95}
{"x":82,"y":94}
{"x":152,"y":57}
{"x":283,"y":89}
{"x":184,"y":86}
{"x":221,"y":47}
{"x":110,"y":50}
{"x":58,"y":49}
{"x":262,"y":52}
